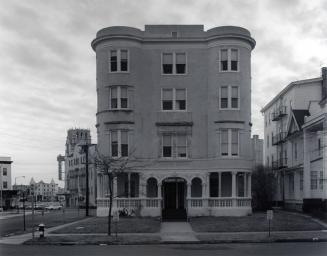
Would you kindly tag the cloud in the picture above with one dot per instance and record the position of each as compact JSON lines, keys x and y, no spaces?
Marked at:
{"x":48,"y":67}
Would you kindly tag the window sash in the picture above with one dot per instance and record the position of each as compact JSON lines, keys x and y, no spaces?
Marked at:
{"x":234,"y":142}
{"x":113,"y":60}
{"x":119,"y":60}
{"x":224,"y":142}
{"x":119,"y":143}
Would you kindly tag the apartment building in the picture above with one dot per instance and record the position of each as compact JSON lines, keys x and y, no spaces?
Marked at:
{"x":75,"y":169}
{"x":294,"y":145}
{"x":178,"y":98}
{"x":43,"y":191}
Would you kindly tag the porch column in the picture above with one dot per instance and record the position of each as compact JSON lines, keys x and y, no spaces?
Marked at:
{"x":324,"y":157}
{"x":249,"y":186}
{"x":203,"y":188}
{"x":189,"y":187}
{"x":234,"y":184}
{"x":245,"y":183}
{"x":219,"y":184}
{"x":207,"y":186}
{"x":114,"y":189}
{"x":306,"y":167}
{"x":159,"y":190}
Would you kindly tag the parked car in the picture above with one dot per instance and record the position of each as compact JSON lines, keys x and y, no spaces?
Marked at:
{"x":53,"y":207}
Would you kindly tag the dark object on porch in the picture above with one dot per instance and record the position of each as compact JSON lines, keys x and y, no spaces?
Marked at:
{"x":174,"y":215}
{"x":314,"y":205}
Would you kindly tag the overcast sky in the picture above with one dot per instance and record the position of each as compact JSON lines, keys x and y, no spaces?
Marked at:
{"x":47,"y":78}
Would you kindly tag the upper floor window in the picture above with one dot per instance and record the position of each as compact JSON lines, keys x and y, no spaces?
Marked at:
{"x":174,"y":63}
{"x":173,"y":99}
{"x":4,"y":171}
{"x":229,"y":142}
{"x":119,"y":97}
{"x":229,"y":97}
{"x":229,"y":60}
{"x":313,"y":180}
{"x":119,"y":143}
{"x":118,"y":60}
{"x":174,"y":145}
{"x":5,"y":185}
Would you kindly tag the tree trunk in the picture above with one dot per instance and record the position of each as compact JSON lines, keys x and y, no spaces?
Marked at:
{"x":110,"y":203}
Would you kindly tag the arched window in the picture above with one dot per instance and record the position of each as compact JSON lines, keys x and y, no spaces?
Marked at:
{"x":196,"y":188}
{"x":152,"y":187}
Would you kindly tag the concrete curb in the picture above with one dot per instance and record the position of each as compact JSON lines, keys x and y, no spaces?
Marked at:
{"x":314,"y":240}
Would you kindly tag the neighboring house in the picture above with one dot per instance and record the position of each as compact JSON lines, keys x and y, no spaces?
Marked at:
{"x":295,"y":142}
{"x":177,"y":98}
{"x":44,"y":191}
{"x":257,"y":149}
{"x":75,"y":172}
{"x":5,"y":182}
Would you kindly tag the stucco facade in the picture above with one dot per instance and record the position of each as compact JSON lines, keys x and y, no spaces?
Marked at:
{"x":177,"y":98}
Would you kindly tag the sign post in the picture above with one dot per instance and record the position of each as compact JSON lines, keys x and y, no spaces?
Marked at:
{"x":115,"y":219}
{"x":270,"y":215}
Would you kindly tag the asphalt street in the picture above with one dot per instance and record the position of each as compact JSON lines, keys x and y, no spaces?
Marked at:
{"x":267,"y":249}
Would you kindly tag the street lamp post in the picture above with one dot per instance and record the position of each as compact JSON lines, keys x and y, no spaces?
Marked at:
{"x":17,"y":205}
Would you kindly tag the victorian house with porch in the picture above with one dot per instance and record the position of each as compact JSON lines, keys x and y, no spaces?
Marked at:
{"x":178,"y":99}
{"x":295,"y":143}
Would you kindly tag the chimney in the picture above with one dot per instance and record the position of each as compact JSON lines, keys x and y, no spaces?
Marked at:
{"x":324,"y":82}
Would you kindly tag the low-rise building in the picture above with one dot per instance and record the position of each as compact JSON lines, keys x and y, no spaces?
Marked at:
{"x":5,"y":182}
{"x":295,"y":143}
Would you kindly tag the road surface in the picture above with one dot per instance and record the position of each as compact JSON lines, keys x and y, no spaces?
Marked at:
{"x":271,"y":249}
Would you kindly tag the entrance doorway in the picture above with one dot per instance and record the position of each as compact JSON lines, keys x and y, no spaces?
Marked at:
{"x":174,"y":199}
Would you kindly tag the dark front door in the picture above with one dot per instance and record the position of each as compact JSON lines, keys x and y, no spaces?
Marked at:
{"x":174,"y":199}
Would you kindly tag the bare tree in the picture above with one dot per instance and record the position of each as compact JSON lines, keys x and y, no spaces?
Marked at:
{"x":112,"y":167}
{"x":263,"y":188}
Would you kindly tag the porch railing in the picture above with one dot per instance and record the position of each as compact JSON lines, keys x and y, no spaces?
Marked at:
{"x":217,"y":202}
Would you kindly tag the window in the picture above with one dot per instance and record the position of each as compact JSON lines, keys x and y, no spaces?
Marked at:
{"x":119,"y":97}
{"x":173,"y":99}
{"x":319,"y":147}
{"x":181,"y":146}
{"x":229,"y":97}
{"x":167,"y":147}
{"x":174,"y":63}
{"x":313,"y":179}
{"x":234,"y":142}
{"x":321,"y":180}
{"x":119,"y":143}
{"x":229,"y":59}
{"x":267,"y":141}
{"x":229,"y":142}
{"x":224,"y":97}
{"x":224,"y":142}
{"x":291,"y":183}
{"x":5,"y":185}
{"x":295,"y":150}
{"x":118,"y":60}
{"x":174,"y":145}
{"x":4,"y":171}
{"x":167,"y":99}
